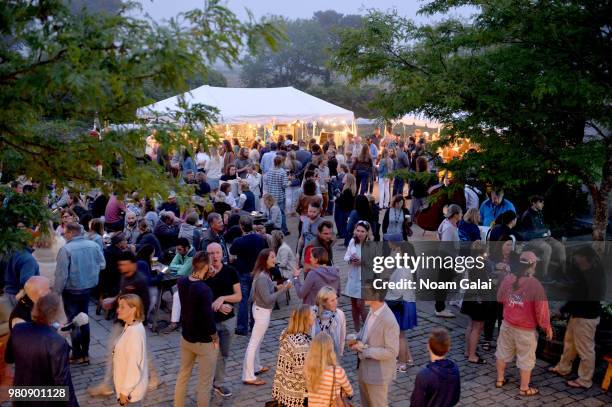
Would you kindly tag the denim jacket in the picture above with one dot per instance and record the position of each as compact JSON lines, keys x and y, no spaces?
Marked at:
{"x":78,"y":265}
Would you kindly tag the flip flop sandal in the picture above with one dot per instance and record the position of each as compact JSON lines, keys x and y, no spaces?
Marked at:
{"x":480,"y":361}
{"x":532,"y":391}
{"x":500,"y":383}
{"x":558,"y":373}
{"x":257,"y":382}
{"x":575,"y":385}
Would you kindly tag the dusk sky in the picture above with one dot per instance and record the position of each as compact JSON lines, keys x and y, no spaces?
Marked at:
{"x":160,"y":9}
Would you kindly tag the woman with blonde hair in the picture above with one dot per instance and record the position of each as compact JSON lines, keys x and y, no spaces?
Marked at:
{"x":289,"y":387}
{"x":46,"y":247}
{"x":468,"y":227}
{"x":214,"y":168}
{"x":329,"y":318}
{"x":384,"y":166}
{"x":325,"y":380}
{"x":130,"y":371}
{"x":272,"y":212}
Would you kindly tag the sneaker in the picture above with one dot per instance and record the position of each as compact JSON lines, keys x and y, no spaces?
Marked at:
{"x":170,"y":328}
{"x":101,"y":390}
{"x":401,"y":368}
{"x":445,"y":314}
{"x":222,"y":391}
{"x":240,"y":332}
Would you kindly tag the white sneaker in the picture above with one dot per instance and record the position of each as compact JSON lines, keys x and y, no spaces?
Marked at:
{"x":445,"y":314}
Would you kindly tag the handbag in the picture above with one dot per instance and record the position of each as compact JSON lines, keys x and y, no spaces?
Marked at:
{"x":341,"y":401}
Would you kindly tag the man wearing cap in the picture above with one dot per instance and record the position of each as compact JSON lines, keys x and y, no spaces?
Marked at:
{"x":77,"y":272}
{"x":170,"y":205}
{"x":525,"y":308}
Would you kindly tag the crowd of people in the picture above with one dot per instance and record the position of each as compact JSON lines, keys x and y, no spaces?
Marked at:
{"x":227,"y":246}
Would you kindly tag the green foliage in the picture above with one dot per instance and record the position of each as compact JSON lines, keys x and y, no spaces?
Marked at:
{"x":521,"y":80}
{"x":25,"y":208}
{"x":60,"y":70}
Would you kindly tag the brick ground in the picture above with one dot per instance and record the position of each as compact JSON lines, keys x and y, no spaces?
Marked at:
{"x":477,"y":380}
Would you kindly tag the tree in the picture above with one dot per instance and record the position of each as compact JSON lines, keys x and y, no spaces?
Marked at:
{"x":60,"y":70}
{"x":523,"y":80}
{"x":302,"y":61}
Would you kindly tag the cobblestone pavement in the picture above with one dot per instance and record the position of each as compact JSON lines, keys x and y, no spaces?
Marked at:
{"x":477,"y":381}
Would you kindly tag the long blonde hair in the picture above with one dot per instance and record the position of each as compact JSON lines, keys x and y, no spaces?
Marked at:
{"x":350,"y":183}
{"x":300,"y":321}
{"x":319,"y":357}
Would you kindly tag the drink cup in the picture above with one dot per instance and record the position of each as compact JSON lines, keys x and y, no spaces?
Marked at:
{"x":351,"y":339}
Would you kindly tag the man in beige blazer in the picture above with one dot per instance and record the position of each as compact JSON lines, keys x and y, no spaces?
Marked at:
{"x":377,"y":346}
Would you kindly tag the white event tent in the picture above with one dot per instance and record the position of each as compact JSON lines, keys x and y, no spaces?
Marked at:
{"x":258,"y":106}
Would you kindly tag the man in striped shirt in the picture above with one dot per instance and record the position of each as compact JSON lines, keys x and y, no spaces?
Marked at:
{"x":275,"y":183}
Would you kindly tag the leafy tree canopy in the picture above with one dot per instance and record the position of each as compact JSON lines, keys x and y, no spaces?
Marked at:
{"x":522,"y":79}
{"x":60,"y":70}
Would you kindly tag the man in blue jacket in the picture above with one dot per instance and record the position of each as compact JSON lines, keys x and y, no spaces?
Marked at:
{"x":78,"y":269}
{"x":438,"y":384}
{"x":494,"y":206}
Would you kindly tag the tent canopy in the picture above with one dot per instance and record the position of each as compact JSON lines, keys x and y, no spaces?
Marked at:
{"x":254,"y":106}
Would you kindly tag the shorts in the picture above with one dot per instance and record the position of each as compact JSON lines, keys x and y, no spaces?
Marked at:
{"x":518,"y":342}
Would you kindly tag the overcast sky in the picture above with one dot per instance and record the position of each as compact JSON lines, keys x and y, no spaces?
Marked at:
{"x":160,"y":9}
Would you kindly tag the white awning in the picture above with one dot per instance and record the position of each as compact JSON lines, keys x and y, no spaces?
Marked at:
{"x":254,"y":106}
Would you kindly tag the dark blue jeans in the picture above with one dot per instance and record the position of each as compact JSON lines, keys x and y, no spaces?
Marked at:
{"x":398,"y":187}
{"x":363,"y":177}
{"x":281,"y":205}
{"x":341,"y":219}
{"x":242,"y":323}
{"x":76,"y":301}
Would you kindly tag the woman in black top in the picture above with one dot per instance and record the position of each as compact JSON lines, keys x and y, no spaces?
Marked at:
{"x":199,"y":334}
{"x":362,"y":169}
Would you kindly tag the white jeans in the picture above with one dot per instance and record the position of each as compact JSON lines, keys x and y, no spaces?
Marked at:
{"x":251,"y":360}
{"x":175,"y":317}
{"x":292,"y":199}
{"x":383,"y":192}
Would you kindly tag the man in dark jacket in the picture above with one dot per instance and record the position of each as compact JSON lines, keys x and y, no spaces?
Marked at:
{"x":40,"y":354}
{"x":214,"y":234}
{"x":540,"y":240}
{"x":20,"y":266}
{"x":147,"y":237}
{"x":438,"y":384}
{"x":589,"y":282}
{"x":167,"y":230}
{"x":246,"y":249}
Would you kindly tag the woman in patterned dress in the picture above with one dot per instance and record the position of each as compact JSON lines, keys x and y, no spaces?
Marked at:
{"x":289,"y":388}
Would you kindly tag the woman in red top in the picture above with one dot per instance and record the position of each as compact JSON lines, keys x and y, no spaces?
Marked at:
{"x":525,"y":308}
